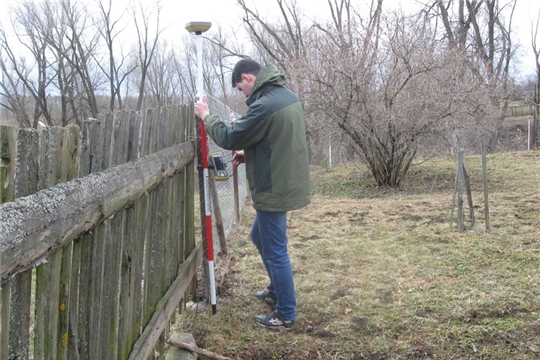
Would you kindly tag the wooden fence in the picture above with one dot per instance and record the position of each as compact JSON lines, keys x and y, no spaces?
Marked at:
{"x":97,"y":235}
{"x":519,"y":111}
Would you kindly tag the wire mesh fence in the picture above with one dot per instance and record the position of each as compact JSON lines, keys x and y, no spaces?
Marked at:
{"x":226,"y":189}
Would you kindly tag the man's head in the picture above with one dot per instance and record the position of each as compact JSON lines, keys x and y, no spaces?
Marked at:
{"x":244,"y":75}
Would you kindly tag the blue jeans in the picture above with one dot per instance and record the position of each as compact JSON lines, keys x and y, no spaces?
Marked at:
{"x":269,"y":234}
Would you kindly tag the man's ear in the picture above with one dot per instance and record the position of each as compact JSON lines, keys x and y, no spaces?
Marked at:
{"x":247,"y":77}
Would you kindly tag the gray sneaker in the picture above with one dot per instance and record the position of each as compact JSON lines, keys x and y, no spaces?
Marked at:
{"x":274,"y":321}
{"x":266,"y":296}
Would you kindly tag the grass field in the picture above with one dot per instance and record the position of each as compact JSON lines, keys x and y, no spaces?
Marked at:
{"x":382,"y":274}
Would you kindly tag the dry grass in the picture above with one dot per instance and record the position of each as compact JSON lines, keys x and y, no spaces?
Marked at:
{"x":380,"y":274}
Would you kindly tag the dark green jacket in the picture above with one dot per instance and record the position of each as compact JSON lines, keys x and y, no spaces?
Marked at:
{"x":273,"y":136}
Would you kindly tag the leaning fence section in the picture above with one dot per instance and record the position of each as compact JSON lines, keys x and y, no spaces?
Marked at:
{"x":91,"y":291}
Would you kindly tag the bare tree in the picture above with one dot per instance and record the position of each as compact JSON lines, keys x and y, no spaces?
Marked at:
{"x":389,"y":88}
{"x":66,"y":80}
{"x":224,"y":50}
{"x":383,"y":80}
{"x":279,"y":41}
{"x":168,"y":80}
{"x":476,"y":32}
{"x":147,"y":42}
{"x":76,"y":61}
{"x":62,"y":80}
{"x":481,"y":31}
{"x":118,"y":68}
{"x":13,"y":95}
{"x":13,"y":91}
{"x":74,"y":42}
{"x":28,"y":78}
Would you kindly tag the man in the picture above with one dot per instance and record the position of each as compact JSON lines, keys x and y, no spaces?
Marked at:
{"x":272,"y":137}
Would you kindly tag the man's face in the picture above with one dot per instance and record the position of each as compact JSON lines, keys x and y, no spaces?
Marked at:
{"x":246,"y":85}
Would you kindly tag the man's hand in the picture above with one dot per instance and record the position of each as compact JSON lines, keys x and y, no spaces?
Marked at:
{"x":238,"y":158}
{"x":201,"y":108}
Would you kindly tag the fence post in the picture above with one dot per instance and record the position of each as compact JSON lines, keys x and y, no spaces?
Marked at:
{"x":236,"y":195}
{"x":462,"y":178}
{"x":485,"y":181}
{"x":469,"y":193}
{"x":529,"y":134}
{"x":8,"y":149}
{"x":217,"y":214}
{"x":459,"y":186}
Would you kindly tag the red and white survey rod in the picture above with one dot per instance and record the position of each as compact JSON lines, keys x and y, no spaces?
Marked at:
{"x":208,"y":216}
{"x":198,"y":28}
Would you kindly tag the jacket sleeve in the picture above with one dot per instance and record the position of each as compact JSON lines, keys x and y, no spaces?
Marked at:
{"x":243,"y":134}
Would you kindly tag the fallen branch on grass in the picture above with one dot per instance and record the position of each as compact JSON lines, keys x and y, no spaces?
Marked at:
{"x":195,"y":349}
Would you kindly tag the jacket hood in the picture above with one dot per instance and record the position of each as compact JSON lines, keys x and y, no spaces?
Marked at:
{"x":268,"y":76}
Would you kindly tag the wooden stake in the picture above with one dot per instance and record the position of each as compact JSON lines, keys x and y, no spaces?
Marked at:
{"x":217,"y":215}
{"x":486,"y":192}
{"x":460,"y":191}
{"x":469,"y":194}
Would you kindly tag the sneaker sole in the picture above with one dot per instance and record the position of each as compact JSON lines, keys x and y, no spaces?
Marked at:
{"x":275,"y":328}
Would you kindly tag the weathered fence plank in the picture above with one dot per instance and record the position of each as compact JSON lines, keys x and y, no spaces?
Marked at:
{"x":166,"y":306}
{"x":154,"y":279}
{"x":77,"y":206}
{"x":138,"y":263}
{"x":73,"y":303}
{"x":47,"y":294}
{"x":110,"y":283}
{"x":147,"y":136}
{"x":135,"y":120}
{"x":107,"y":134}
{"x":27,"y":168}
{"x":95,"y":295}
{"x":48,"y":278}
{"x":147,"y":147}
{"x":83,"y":249}
{"x":131,"y":282}
{"x":120,"y":143}
{"x":89,"y":147}
{"x":69,"y":160}
{"x":131,"y":259}
{"x":5,"y":296}
{"x":189,"y":217}
{"x":8,"y":151}
{"x":113,"y":247}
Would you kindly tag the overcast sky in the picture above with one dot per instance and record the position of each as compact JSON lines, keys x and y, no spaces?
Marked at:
{"x":226,"y":13}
